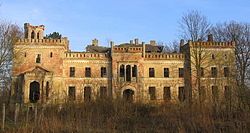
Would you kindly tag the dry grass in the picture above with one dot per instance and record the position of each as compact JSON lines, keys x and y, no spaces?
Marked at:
{"x":119,"y":116}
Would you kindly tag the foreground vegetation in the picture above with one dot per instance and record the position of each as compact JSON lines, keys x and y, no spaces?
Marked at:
{"x":119,"y":116}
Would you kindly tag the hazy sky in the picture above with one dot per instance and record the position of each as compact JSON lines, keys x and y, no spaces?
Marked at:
{"x":118,"y":20}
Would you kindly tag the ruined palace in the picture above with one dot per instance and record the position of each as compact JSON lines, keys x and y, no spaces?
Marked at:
{"x":46,"y":70}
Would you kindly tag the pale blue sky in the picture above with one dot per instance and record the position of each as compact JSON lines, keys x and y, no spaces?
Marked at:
{"x":118,"y":20}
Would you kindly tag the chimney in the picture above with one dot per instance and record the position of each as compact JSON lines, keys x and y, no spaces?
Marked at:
{"x":95,"y":42}
{"x":131,"y":42}
{"x":136,"y":41}
{"x":112,"y":43}
{"x":152,"y":42}
{"x":210,"y":38}
{"x":182,"y":42}
{"x":143,"y":49}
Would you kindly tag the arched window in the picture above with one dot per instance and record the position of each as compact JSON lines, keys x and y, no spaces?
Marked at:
{"x":134,"y":71}
{"x":32,"y":35}
{"x":128,"y":73}
{"x":37,"y":35}
{"x":122,"y":71}
{"x":38,"y":58}
{"x":51,"y":54}
{"x":34,"y":94}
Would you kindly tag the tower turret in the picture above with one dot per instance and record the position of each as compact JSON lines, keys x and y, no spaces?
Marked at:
{"x":33,"y":32}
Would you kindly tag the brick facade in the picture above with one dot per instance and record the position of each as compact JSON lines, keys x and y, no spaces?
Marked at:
{"x":47,"y":71}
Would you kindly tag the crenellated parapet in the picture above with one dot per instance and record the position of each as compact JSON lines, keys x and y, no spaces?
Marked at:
{"x":164,"y":56}
{"x":128,"y":49}
{"x":85,"y":55}
{"x":54,"y":42}
{"x":211,"y":44}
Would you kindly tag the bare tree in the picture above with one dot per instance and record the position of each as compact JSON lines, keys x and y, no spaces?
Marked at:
{"x":194,"y":26}
{"x":8,"y":33}
{"x":240,"y":33}
{"x":173,"y":47}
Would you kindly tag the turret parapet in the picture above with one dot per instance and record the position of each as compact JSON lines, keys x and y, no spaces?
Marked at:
{"x":161,"y":56}
{"x":54,"y":42}
{"x":213,"y":44}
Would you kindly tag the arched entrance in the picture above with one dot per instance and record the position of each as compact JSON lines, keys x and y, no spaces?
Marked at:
{"x":128,"y":95}
{"x":34,"y":92}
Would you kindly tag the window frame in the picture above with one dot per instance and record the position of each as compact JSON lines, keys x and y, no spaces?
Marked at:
{"x":166,"y":72}
{"x":87,"y":72}
{"x":152,"y":92}
{"x":103,"y":72}
{"x":70,"y":96}
{"x":151,"y":73}
{"x":214,"y":72}
{"x":166,"y":93}
{"x":181,"y":72}
{"x":72,"y":71}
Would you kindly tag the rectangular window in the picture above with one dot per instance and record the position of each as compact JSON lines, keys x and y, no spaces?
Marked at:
{"x":152,"y":93}
{"x":202,"y":72}
{"x":166,"y":93}
{"x":227,"y":93}
{"x":87,"y":94}
{"x":103,"y":72}
{"x":151,"y":72}
{"x":166,"y":72}
{"x":181,"y":95}
{"x":215,"y":93}
{"x":87,"y":72}
{"x":181,"y":72}
{"x":72,"y":71}
{"x":38,"y":58}
{"x":226,"y":72}
{"x":103,"y":92}
{"x":213,"y":71}
{"x":72,"y":93}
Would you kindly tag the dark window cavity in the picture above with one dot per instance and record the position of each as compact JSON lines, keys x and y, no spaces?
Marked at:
{"x":166,"y":93}
{"x":181,"y":72}
{"x":38,"y":58}
{"x":72,"y":93}
{"x":103,"y":72}
{"x":87,"y":72}
{"x":166,"y":72}
{"x":152,"y":93}
{"x":72,"y":71}
{"x":151,"y":72}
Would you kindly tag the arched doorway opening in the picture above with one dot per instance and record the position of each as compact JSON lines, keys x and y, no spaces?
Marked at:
{"x":34,"y":92}
{"x":128,"y":95}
